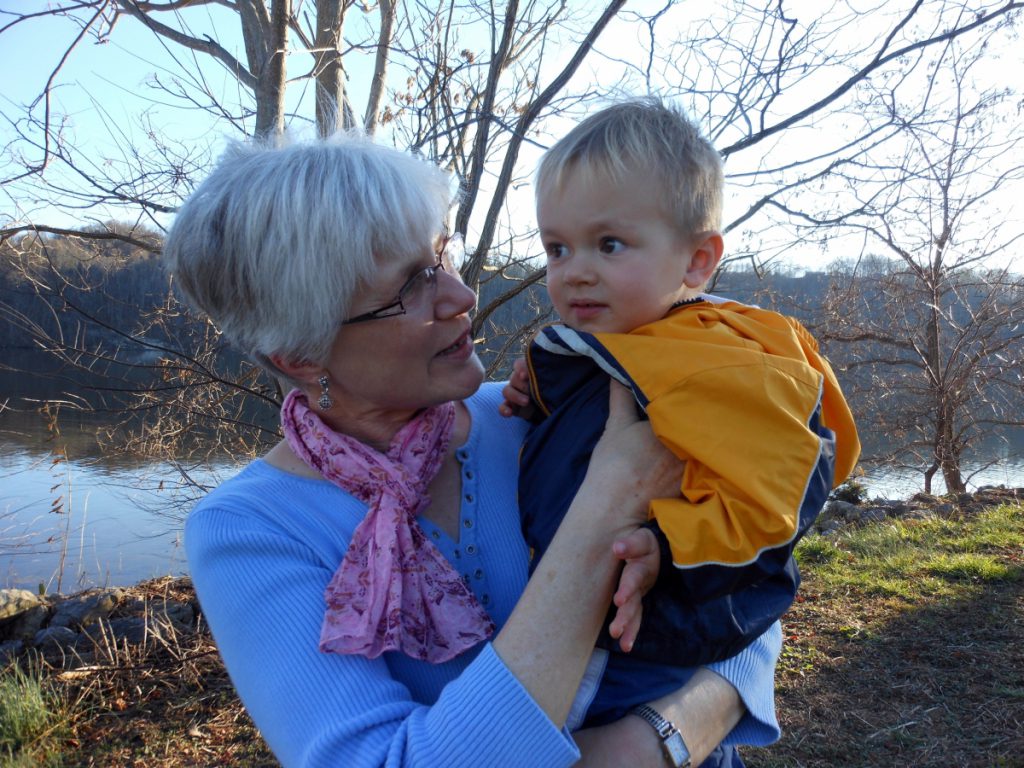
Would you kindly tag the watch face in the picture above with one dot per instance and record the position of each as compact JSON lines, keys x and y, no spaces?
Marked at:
{"x":677,"y":750}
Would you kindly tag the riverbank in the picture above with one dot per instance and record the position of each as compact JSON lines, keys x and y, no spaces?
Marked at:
{"x":905,"y":646}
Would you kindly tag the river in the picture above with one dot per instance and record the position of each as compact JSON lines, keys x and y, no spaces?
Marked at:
{"x":106,"y":518}
{"x":93,"y":518}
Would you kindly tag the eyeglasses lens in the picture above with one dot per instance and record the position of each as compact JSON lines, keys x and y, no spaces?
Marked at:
{"x":420,"y":289}
{"x":453,"y":255}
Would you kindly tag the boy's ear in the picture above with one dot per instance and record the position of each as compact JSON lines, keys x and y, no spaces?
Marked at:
{"x":704,"y":258}
{"x":298,"y":370}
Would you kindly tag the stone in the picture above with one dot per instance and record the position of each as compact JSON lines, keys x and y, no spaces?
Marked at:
{"x":17,"y":601}
{"x":10,"y":650}
{"x":843,"y":510}
{"x":830,"y":527}
{"x":25,"y":625}
{"x":874,"y":515}
{"x":131,"y":629}
{"x":82,"y":610}
{"x":177,"y":612}
{"x":56,"y":638}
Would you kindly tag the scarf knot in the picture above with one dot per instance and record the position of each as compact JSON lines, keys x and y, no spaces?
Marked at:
{"x":394,"y":590}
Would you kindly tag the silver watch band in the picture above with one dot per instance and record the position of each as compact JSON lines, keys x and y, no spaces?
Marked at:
{"x":672,"y":744}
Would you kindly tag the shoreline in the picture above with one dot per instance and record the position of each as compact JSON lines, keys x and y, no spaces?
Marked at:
{"x":70,"y":624}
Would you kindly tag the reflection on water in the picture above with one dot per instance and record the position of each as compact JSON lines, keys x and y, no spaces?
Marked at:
{"x":94,"y":518}
{"x":108,"y":518}
{"x":891,"y":484}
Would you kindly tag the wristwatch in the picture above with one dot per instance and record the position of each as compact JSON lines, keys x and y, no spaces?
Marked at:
{"x":672,"y":743}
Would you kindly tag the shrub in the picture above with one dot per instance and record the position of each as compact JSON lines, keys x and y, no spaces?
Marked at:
{"x":851,"y":491}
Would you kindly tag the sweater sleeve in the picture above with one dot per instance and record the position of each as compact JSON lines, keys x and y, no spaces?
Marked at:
{"x":752,"y":674}
{"x":261,"y":592}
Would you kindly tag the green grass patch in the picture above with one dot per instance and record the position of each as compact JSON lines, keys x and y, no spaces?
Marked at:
{"x":919,"y":558}
{"x":911,"y":629}
{"x":970,"y":566}
{"x":29,"y":719}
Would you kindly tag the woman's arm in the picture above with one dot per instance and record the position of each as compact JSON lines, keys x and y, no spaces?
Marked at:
{"x":548,"y":639}
{"x":732,"y":701}
{"x":704,"y":710}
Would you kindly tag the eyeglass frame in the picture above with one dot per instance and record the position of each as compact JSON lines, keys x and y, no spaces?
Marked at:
{"x":427,"y":273}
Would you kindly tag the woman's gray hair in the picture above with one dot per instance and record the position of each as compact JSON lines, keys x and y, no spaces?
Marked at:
{"x":645,"y":135}
{"x":276,"y":242}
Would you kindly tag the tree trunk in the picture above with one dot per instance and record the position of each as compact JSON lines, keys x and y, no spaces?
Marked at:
{"x":271,"y":85}
{"x":380,"y":66}
{"x":332,"y":108}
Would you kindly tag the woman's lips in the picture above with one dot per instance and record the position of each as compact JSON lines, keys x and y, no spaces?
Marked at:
{"x":462,"y":348}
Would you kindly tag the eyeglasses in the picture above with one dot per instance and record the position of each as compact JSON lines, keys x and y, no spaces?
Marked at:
{"x":420,"y":289}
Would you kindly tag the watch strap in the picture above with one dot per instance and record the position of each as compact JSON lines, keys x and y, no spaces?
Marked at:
{"x":672,"y":743}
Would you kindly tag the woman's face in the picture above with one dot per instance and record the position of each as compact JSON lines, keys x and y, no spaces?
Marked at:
{"x":386,"y":368}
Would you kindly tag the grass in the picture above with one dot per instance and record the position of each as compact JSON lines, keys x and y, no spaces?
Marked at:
{"x":31,"y":718}
{"x":905,"y":647}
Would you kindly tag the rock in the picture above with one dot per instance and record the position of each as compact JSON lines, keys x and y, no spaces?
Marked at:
{"x":25,"y":625}
{"x":874,"y":515}
{"x":891,"y":506}
{"x":56,"y":639}
{"x":10,"y":650}
{"x":84,"y":609}
{"x":178,"y":613}
{"x":17,"y":601}
{"x":842,"y":510}
{"x":918,"y":513}
{"x":131,"y":629}
{"x":830,"y":527}
{"x":62,"y":624}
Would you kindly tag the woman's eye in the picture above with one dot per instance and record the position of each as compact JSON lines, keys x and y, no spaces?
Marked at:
{"x":611,"y":245}
{"x":556,"y":250}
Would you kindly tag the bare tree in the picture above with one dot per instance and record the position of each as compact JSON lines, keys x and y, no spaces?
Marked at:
{"x":934,"y":332}
{"x":483,"y":92}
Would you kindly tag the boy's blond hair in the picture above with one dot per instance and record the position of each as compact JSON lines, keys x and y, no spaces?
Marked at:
{"x":647,"y":136}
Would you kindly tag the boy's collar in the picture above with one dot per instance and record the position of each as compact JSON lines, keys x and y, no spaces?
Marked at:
{"x":686,"y":302}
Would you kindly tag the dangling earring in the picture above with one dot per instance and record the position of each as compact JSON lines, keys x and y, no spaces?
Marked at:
{"x":325,"y":402}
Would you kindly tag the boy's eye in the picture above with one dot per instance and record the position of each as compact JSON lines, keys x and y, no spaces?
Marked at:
{"x":556,"y":250}
{"x":611,"y":245}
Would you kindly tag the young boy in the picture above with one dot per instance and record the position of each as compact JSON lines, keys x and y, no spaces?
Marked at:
{"x":629,"y":208}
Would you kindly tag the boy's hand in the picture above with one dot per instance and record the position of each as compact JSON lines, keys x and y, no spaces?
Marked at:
{"x":642,"y":556}
{"x":517,"y":392}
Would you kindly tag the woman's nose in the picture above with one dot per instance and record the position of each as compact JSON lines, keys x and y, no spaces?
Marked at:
{"x":454,"y":297}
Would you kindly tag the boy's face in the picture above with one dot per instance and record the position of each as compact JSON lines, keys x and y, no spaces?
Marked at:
{"x":615,"y":262}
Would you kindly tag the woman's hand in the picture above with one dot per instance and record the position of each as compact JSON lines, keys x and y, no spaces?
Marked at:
{"x":629,"y":463}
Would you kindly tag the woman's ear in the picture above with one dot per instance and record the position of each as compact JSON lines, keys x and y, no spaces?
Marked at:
{"x":298,"y":370}
{"x":704,"y":258}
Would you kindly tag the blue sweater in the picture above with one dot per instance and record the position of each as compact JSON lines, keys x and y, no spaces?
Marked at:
{"x":262,"y":548}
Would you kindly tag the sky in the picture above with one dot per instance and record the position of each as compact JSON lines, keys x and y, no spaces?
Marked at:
{"x":103,"y":85}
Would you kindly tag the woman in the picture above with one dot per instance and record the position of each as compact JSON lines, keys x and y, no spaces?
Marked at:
{"x":325,"y":261}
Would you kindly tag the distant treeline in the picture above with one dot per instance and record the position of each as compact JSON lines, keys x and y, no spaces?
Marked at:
{"x":106,"y":294}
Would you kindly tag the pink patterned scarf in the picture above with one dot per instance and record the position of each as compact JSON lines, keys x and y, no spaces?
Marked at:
{"x":393,"y":590}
